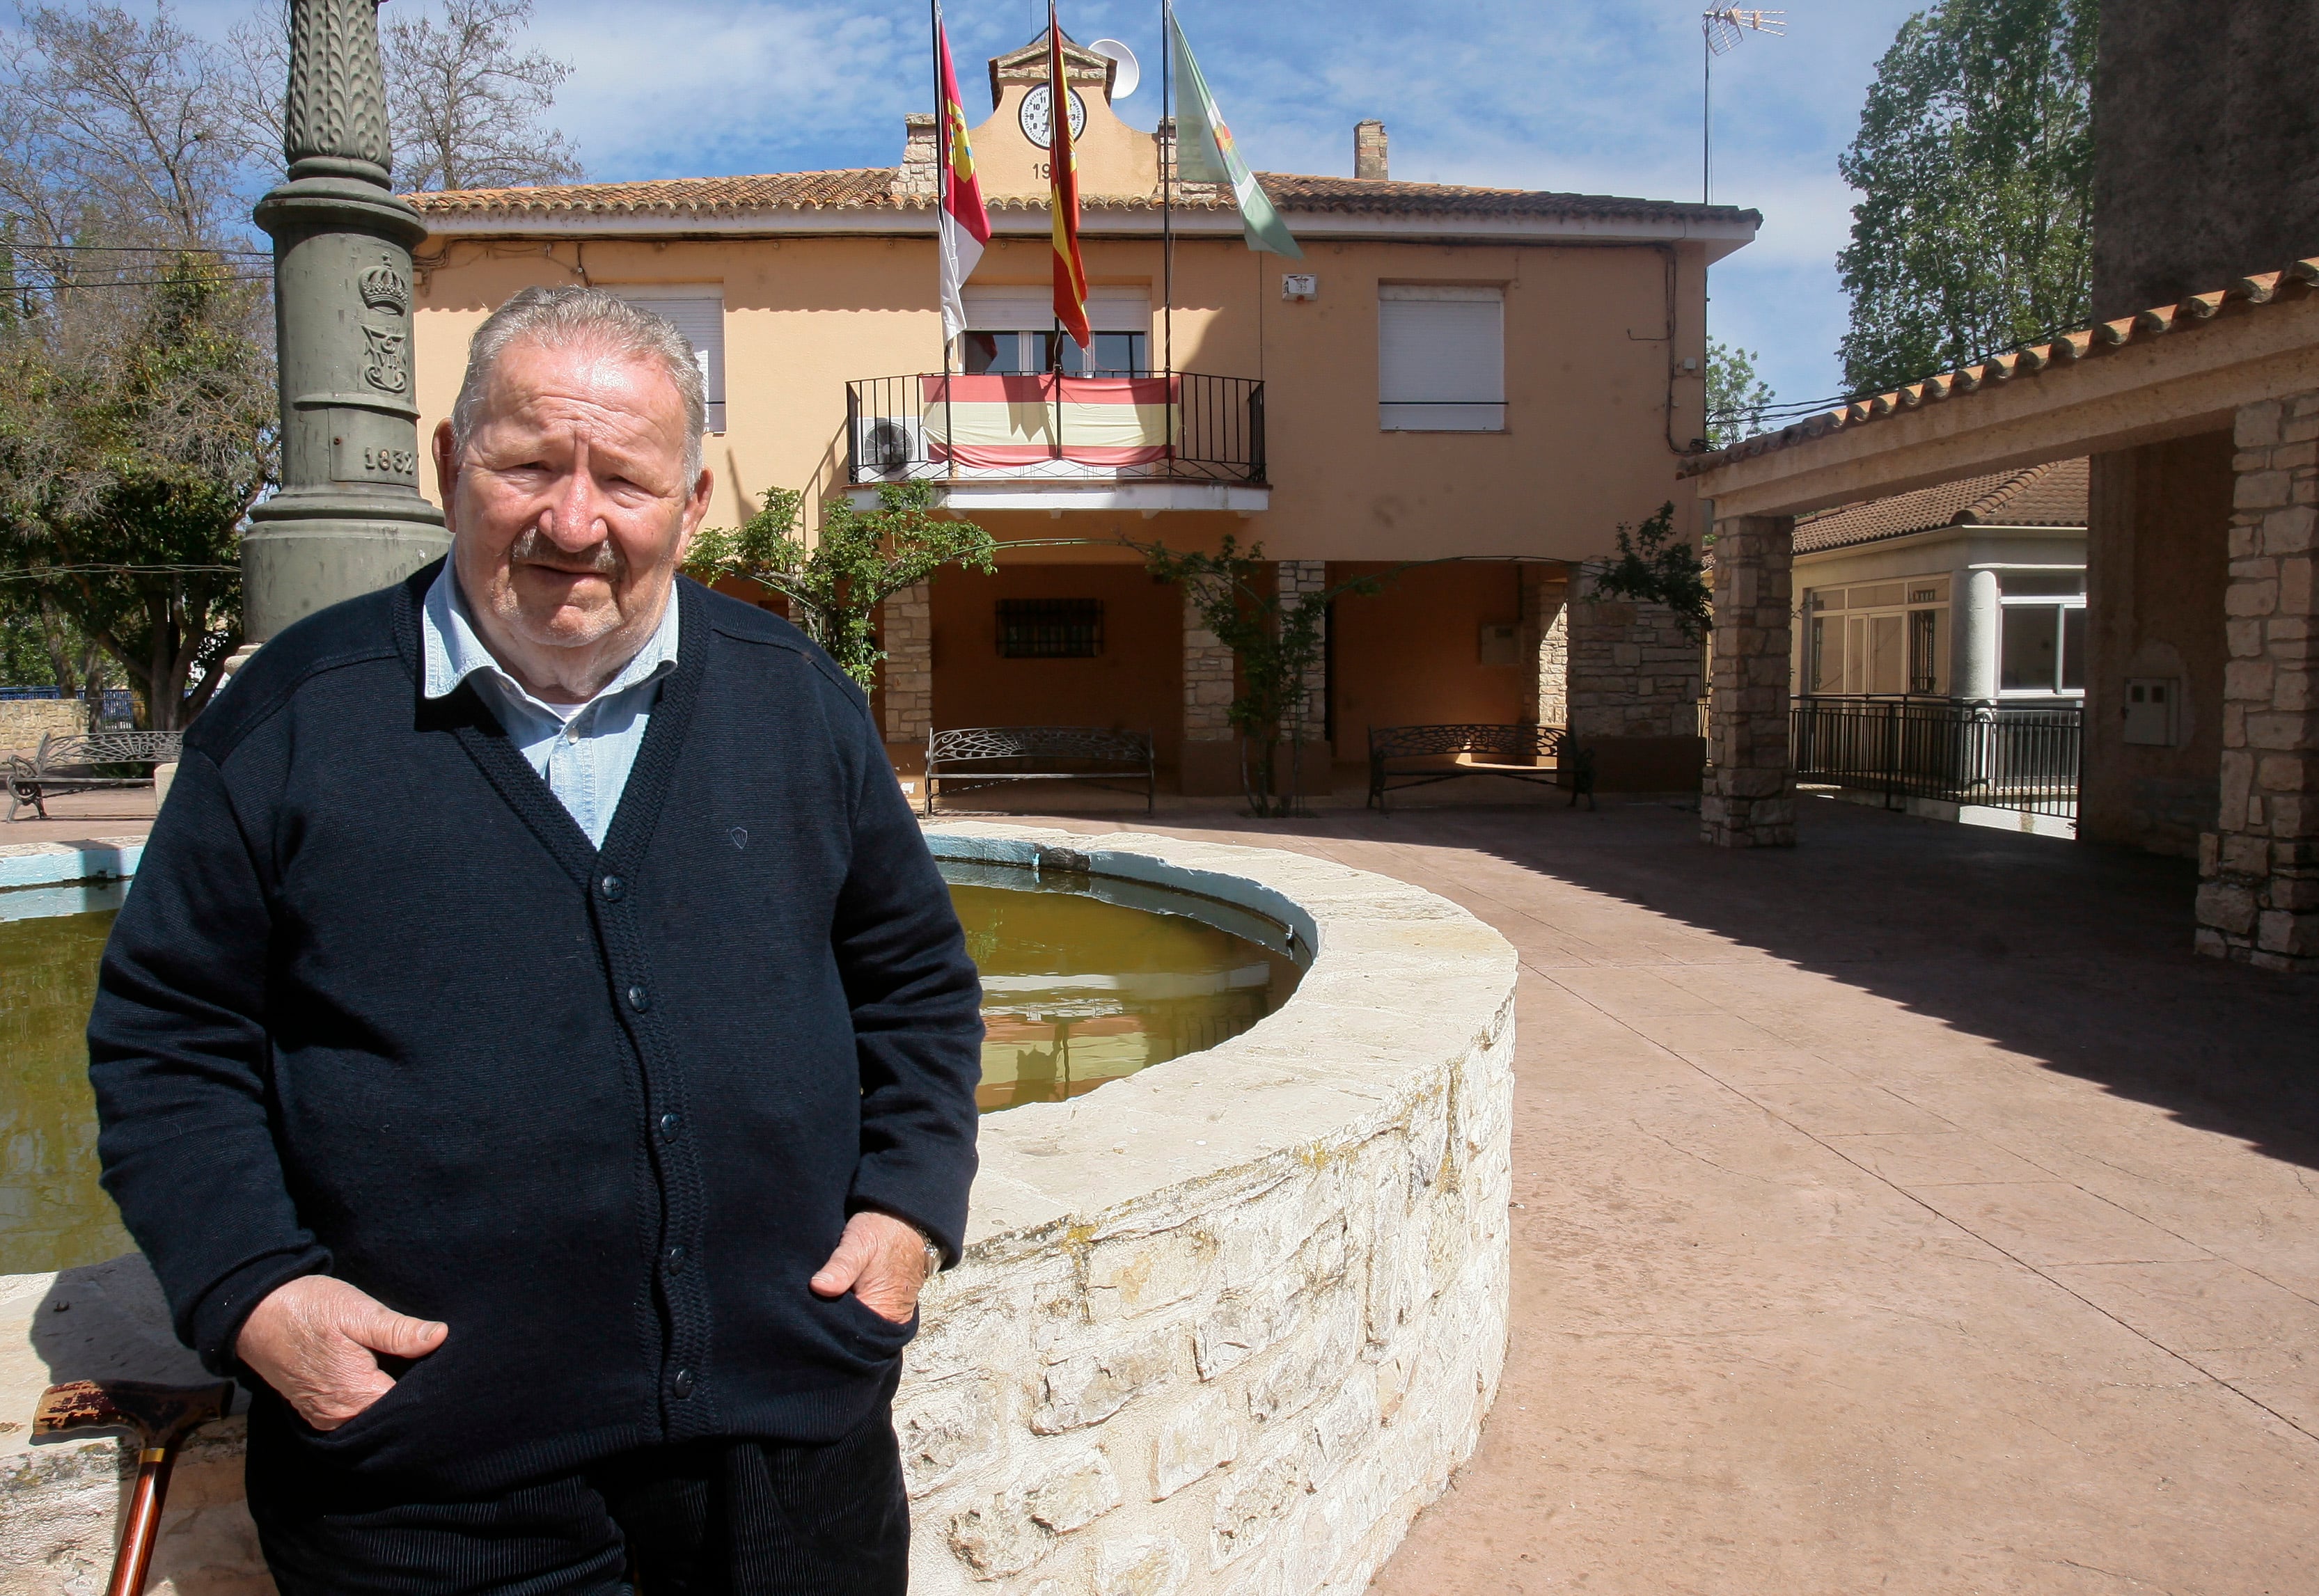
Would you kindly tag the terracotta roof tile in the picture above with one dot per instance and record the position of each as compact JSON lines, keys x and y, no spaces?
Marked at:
{"x":2049,"y":495}
{"x":685,"y":196}
{"x":2300,"y":280}
{"x":871,"y":188}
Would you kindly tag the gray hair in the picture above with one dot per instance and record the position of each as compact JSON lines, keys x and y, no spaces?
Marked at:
{"x":566,"y":317}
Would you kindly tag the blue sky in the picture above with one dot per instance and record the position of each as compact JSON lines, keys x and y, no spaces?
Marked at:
{"x":1600,"y":97}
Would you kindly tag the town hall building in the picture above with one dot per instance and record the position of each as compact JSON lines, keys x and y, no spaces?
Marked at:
{"x":1472,"y":388}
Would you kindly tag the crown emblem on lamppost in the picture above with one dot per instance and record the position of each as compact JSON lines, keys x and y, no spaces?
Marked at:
{"x":385,"y":289}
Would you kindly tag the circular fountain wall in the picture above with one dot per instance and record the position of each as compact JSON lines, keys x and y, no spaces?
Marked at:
{"x":1222,"y":1326}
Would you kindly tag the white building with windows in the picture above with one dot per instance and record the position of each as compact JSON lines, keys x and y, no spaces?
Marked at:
{"x":1974,"y":589}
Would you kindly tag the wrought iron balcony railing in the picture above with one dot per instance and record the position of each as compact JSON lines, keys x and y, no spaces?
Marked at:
{"x":1155,"y":425}
{"x":1959,"y":751}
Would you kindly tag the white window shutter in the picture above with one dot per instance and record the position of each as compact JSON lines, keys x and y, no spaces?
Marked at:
{"x":1441,"y":359}
{"x":698,"y":313}
{"x":1008,"y":308}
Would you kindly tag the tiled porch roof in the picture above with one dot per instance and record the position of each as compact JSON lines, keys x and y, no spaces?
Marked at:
{"x":2244,"y":297}
{"x":2049,"y":495}
{"x":873,"y":188}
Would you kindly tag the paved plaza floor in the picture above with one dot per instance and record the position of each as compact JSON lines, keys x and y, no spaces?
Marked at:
{"x":1910,"y":1212}
{"x":1907,"y":1212}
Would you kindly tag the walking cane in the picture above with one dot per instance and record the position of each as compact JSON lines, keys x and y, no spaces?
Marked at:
{"x":161,"y":1416}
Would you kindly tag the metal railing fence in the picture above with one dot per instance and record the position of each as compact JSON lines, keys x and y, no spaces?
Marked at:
{"x":1960,"y":750}
{"x":895,"y":429}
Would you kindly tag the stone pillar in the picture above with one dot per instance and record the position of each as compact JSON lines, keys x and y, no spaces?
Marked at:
{"x":907,"y":675}
{"x":1749,"y":799}
{"x":2259,"y":900}
{"x":1546,"y":644}
{"x":349,"y":517}
{"x":1297,"y":579}
{"x":1209,"y":759}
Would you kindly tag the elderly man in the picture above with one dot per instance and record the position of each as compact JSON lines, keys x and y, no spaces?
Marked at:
{"x":538,"y":1054}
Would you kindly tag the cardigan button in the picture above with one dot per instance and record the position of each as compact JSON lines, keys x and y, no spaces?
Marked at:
{"x":675,"y":1260}
{"x":613,"y":888}
{"x":669,"y":1124}
{"x":681,"y":1384}
{"x":639,"y":1000}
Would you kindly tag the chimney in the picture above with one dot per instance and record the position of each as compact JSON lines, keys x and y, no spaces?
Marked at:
{"x":1368,"y":149}
{"x":920,"y":172}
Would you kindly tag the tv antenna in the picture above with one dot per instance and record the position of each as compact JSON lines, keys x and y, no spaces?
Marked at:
{"x":1720,"y":30}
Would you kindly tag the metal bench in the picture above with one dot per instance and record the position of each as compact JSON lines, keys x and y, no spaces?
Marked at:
{"x":1406,"y":756}
{"x":86,"y":763}
{"x":990,"y":756}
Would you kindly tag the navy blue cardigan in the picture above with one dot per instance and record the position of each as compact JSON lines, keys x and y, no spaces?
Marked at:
{"x":375,"y":1008}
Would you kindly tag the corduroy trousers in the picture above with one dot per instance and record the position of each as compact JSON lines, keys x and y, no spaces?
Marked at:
{"x":730,"y":1518}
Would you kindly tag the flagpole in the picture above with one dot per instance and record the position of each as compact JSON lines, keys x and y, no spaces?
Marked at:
{"x":1059,"y":117}
{"x":942,"y":209}
{"x":1167,"y":191}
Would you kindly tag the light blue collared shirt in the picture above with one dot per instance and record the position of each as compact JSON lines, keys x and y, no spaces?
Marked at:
{"x":583,"y":751}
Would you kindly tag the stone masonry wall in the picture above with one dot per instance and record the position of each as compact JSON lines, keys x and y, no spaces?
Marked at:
{"x":1632,"y":672}
{"x":1749,"y":796}
{"x":1221,"y":1328}
{"x":1208,"y":680}
{"x":1546,"y":644}
{"x":1296,"y":579}
{"x":2259,"y":900}
{"x":24,"y":721}
{"x":907,"y":676}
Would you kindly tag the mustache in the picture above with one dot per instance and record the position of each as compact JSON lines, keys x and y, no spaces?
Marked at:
{"x":535,"y":548}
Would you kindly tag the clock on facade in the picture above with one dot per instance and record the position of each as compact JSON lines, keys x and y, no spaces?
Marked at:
{"x":1033,"y":115}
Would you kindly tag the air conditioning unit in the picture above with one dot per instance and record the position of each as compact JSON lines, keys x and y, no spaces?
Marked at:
{"x":889,"y":448}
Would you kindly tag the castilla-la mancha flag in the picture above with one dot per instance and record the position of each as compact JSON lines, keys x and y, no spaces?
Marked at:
{"x":965,"y":223}
{"x":1062,"y":164}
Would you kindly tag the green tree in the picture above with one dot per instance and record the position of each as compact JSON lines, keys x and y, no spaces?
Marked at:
{"x":130,"y":455}
{"x":465,"y":98}
{"x":1736,"y":397}
{"x":834,"y":584}
{"x":1656,"y":567}
{"x":1276,"y":647}
{"x":1974,"y":162}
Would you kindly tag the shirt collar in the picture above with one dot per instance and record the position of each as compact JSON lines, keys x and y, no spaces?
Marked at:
{"x":454,"y":650}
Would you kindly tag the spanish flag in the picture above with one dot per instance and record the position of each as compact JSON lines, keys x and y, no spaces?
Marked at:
{"x":965,"y":221}
{"x":1062,"y":165}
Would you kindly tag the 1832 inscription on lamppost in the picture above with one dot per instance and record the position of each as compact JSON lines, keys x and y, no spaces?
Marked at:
{"x":349,"y":517}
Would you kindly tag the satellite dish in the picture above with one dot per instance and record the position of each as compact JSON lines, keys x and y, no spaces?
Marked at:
{"x":1127,"y":74}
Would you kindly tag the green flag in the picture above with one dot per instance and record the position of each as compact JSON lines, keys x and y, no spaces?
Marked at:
{"x":1205,"y":153}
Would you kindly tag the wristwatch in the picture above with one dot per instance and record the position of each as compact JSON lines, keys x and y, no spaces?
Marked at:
{"x":935,"y":1254}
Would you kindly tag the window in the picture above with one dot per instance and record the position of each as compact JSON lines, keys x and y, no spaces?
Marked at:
{"x":1012,"y":331}
{"x":1441,"y":359}
{"x":1882,"y":637}
{"x":698,"y":313}
{"x":1049,"y":628}
{"x":2042,"y":640}
{"x":1008,"y":354}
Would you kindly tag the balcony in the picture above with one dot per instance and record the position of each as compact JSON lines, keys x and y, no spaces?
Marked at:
{"x":1150,"y":442}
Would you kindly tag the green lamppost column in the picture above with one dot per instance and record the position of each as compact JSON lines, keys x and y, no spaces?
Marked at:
{"x":349,"y":518}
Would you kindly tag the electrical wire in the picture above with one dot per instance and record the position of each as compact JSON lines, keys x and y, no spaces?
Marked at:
{"x":23,"y":248}
{"x":43,"y":573}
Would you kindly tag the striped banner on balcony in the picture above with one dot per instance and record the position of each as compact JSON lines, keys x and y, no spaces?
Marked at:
{"x":998,"y":421}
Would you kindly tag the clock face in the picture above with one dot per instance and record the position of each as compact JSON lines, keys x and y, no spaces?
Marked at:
{"x":1033,"y":116}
